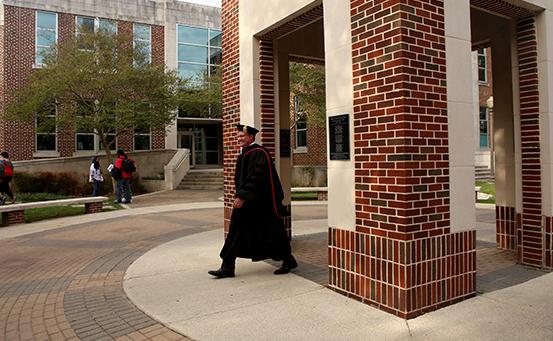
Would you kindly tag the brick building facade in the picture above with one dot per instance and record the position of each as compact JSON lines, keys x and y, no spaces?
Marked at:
{"x":22,"y":20}
{"x":401,"y":211}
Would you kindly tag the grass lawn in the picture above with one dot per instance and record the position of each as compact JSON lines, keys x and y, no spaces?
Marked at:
{"x":487,"y":187}
{"x":37,"y":214}
{"x":304,"y":196}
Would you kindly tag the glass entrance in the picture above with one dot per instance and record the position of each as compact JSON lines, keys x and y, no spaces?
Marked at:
{"x":204,"y":143}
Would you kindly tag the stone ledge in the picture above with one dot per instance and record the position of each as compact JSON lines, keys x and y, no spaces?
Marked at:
{"x":51,"y":203}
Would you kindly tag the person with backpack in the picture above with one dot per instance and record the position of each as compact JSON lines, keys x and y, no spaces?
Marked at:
{"x":122,"y":172}
{"x":6,"y":176}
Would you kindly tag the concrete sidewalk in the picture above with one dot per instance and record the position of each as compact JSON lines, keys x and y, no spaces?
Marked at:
{"x":171,"y":284}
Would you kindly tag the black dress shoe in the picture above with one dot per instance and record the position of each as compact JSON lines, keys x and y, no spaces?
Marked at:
{"x":221,"y":273}
{"x":286,"y":267}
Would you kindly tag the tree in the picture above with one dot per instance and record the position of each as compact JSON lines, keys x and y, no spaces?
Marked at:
{"x":98,"y":82}
{"x":201,"y":96}
{"x":307,"y":81}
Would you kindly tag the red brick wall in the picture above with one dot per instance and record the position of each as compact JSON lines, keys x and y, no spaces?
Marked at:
{"x":267,"y":90}
{"x":401,"y":258}
{"x":231,"y":99}
{"x":316,"y":147}
{"x":19,"y":40}
{"x":531,"y":233}
{"x":400,"y":118}
{"x":19,"y":56}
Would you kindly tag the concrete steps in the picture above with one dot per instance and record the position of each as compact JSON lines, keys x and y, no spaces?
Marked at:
{"x":482,"y":173}
{"x":202,"y":179}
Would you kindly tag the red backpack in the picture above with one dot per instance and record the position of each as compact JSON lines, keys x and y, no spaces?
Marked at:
{"x":7,"y":167}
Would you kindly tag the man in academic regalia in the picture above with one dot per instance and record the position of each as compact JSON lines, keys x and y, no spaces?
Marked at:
{"x":257,"y":225}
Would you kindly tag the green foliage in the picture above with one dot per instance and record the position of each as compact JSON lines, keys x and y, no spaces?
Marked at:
{"x":33,"y":197}
{"x":487,"y":187}
{"x":200,"y":97}
{"x":36,"y":214}
{"x":66,"y":184}
{"x":97,"y":82}
{"x":307,"y":81}
{"x":304,"y":195}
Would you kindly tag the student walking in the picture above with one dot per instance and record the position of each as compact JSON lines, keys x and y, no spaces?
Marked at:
{"x":122,"y":171}
{"x":95,"y":176}
{"x":6,"y":176}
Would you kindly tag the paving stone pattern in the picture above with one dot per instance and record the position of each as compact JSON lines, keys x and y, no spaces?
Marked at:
{"x":66,"y":284}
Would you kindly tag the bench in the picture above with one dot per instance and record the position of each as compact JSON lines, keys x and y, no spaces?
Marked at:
{"x":476,"y":190}
{"x":322,"y":192}
{"x":14,"y":214}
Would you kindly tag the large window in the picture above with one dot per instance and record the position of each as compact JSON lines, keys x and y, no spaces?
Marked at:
{"x":92,"y":25}
{"x":142,"y":138}
{"x":142,"y":39}
{"x":301,"y":124}
{"x":484,"y":128}
{"x":46,"y":35}
{"x":199,"y":52}
{"x":46,"y":131}
{"x":482,"y":66}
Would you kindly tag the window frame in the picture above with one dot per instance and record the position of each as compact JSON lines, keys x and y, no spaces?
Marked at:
{"x":135,"y":134}
{"x":134,"y":39}
{"x":297,"y":118}
{"x":55,"y":133}
{"x":485,"y":67}
{"x":208,"y":65}
{"x":487,"y":120}
{"x":36,"y":64}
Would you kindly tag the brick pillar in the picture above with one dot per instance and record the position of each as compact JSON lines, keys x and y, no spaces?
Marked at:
{"x":93,"y":207}
{"x":530,"y":233}
{"x":401,"y":257}
{"x":231,"y":100}
{"x":13,"y":217}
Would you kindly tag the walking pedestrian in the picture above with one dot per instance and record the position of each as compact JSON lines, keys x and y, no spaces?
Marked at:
{"x":257,"y":227}
{"x":95,"y":176}
{"x":123,"y":169}
{"x":6,"y":176}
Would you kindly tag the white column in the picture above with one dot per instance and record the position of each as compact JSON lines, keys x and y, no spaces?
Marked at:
{"x":545,"y":73}
{"x":171,"y":64}
{"x":460,"y":106}
{"x":339,"y":100}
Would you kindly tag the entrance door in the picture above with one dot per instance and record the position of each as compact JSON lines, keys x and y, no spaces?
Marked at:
{"x":186,"y":141}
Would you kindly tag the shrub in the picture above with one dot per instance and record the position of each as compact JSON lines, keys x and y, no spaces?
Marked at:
{"x":66,"y":184}
{"x":47,"y":182}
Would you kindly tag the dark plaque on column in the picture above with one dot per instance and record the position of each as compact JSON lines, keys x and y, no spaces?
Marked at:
{"x":284,"y":142}
{"x":338,"y":128}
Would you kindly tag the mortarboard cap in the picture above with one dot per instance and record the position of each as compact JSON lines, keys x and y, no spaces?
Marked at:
{"x":246,"y":129}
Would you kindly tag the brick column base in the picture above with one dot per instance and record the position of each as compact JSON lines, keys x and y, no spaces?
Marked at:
{"x":93,"y":207}
{"x":506,"y":226}
{"x":405,"y":278}
{"x":12,"y":218}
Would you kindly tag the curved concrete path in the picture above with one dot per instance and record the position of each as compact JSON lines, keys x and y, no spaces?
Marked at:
{"x":170,"y":283}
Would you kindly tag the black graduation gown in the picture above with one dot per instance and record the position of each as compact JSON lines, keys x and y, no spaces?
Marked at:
{"x":257,"y":228}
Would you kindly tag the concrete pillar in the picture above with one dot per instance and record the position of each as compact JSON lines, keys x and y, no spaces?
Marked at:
{"x":282,"y":102}
{"x":505,"y":76}
{"x":545,"y":73}
{"x":339,"y":100}
{"x":460,"y":108}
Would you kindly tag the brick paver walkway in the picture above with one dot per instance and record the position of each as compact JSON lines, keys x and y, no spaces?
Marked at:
{"x":66,"y":284}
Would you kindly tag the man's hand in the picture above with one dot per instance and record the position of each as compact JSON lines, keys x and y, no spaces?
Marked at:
{"x":238,"y":202}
